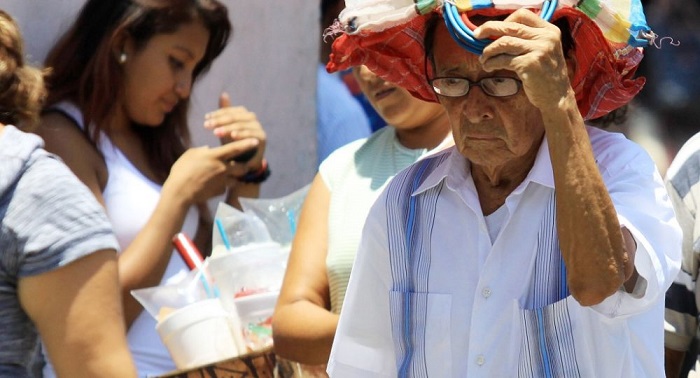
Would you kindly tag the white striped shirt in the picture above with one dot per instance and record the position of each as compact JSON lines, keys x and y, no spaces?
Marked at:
{"x":430,"y":295}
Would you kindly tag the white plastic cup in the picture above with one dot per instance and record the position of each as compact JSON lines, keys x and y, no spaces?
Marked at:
{"x":198,"y":334}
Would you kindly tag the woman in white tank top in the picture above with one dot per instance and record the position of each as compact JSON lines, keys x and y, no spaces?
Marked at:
{"x":120,"y":85}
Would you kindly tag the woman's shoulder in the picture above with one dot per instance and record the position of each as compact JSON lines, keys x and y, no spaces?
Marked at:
{"x":64,"y":138}
{"x":342,"y":155}
{"x":62,"y":135}
{"x":356,"y":151}
{"x":347,"y":161}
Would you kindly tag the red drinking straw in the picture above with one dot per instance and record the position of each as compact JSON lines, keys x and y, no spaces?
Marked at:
{"x":194,"y":260}
{"x":189,"y":252}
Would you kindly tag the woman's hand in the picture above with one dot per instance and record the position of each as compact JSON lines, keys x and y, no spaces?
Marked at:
{"x":236,"y":123}
{"x":204,"y":172}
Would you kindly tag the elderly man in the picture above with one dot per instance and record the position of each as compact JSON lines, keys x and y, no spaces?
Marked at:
{"x":537,"y":246}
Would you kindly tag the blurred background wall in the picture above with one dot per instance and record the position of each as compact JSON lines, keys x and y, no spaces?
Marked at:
{"x":269,"y":67}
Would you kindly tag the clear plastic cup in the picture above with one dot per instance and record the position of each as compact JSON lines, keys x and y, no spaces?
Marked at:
{"x":255,"y":313}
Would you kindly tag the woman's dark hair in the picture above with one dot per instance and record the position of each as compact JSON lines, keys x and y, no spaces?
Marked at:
{"x":22,"y":90}
{"x":85,"y":71}
{"x":616,"y":117}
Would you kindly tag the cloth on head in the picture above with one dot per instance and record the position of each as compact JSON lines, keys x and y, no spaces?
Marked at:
{"x":387,"y":36}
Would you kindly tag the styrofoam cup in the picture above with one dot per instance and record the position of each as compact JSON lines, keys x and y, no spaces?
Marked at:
{"x":255,"y":314}
{"x":198,"y":334}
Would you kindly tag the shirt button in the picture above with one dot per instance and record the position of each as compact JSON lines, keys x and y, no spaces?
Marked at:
{"x":480,"y":360}
{"x":486,"y":292}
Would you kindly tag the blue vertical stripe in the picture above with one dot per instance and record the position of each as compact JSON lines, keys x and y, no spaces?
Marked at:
{"x":564,"y":286}
{"x":409,"y":256}
{"x":547,"y":348}
{"x":543,"y":345}
{"x":409,"y":225}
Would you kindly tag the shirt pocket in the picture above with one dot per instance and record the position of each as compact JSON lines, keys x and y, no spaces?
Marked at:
{"x":548,"y":345}
{"x":421,"y":333}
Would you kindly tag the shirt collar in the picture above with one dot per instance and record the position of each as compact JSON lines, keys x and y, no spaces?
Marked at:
{"x":455,"y":169}
{"x":541,"y":171}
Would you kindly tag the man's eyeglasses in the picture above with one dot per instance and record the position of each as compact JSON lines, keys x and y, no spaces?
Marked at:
{"x":492,"y":86}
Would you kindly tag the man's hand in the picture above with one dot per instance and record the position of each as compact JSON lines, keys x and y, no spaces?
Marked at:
{"x":530,"y":47}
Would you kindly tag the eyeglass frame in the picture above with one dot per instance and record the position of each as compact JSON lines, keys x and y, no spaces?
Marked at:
{"x":428,"y":55}
{"x":477,"y":83}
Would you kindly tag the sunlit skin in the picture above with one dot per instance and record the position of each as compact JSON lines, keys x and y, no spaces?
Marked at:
{"x":500,"y":136}
{"x":418,"y":124}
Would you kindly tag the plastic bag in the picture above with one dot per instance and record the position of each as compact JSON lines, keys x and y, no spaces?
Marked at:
{"x":239,"y":229}
{"x":249,"y":279}
{"x":249,"y":259}
{"x":280,"y":215}
{"x":257,"y":269}
{"x":181,"y":290}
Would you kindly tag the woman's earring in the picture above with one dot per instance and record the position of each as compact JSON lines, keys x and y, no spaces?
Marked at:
{"x":122,"y":58}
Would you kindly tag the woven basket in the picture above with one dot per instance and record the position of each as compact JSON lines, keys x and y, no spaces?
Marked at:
{"x":257,"y":364}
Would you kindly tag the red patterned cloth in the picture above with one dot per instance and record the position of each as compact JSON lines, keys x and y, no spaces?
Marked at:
{"x":603,"y":81}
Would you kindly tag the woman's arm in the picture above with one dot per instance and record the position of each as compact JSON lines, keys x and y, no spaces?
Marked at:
{"x":78,"y":313}
{"x":142,"y":263}
{"x":241,"y":189}
{"x":303,"y":327}
{"x":199,"y":174}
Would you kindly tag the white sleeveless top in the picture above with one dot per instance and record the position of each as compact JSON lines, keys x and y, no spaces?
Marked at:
{"x":130,"y":199}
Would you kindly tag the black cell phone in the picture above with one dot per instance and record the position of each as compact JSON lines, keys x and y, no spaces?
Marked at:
{"x":244,"y":157}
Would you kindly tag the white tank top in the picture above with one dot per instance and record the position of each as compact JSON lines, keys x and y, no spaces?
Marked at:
{"x":130,"y":199}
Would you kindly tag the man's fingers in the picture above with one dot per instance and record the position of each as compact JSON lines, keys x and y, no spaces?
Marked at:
{"x":506,"y":45}
{"x":522,"y":23}
{"x":499,"y":62}
{"x":497,"y":29}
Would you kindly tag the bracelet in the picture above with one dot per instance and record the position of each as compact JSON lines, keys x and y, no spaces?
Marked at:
{"x":258,"y":176}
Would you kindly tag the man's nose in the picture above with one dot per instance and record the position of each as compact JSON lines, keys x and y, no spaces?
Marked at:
{"x":476,"y":105}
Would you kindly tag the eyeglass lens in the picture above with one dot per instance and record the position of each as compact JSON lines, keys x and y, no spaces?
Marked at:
{"x":492,"y":86}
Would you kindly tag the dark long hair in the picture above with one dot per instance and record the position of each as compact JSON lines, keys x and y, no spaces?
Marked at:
{"x":85,"y":71}
{"x":22,"y":90}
